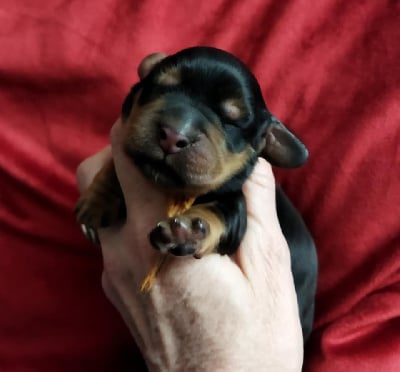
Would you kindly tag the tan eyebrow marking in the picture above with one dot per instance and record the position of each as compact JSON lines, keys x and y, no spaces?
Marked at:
{"x":170,"y":77}
{"x":233,"y":108}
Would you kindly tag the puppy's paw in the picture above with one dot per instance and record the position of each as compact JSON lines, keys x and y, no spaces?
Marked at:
{"x":95,"y":211}
{"x":180,"y":235}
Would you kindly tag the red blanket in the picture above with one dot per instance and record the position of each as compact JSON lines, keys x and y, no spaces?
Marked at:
{"x":329,"y":69}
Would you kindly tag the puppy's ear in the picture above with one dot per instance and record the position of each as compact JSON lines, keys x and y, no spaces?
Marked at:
{"x":144,"y":69}
{"x":148,"y":63}
{"x":282,"y":148}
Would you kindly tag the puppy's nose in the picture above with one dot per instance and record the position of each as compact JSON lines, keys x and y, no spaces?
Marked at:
{"x":172,"y":141}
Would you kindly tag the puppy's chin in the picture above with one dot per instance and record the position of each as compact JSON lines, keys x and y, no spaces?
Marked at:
{"x":176,"y":179}
{"x":158,"y":172}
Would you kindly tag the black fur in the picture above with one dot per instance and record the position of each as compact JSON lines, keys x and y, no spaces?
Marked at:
{"x":303,"y":258}
{"x":207,"y":77}
{"x":231,"y":207}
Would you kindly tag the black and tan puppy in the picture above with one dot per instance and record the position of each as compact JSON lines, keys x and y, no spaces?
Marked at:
{"x":195,"y":126}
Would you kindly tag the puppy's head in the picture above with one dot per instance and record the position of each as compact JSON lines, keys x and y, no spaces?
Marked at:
{"x":197,"y":122}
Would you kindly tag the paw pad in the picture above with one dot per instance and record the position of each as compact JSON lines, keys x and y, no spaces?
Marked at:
{"x":179,"y":235}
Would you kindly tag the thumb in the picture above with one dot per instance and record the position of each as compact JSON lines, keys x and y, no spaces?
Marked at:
{"x":139,"y":193}
{"x":263,"y":249}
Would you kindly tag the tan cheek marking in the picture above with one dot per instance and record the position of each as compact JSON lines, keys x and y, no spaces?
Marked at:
{"x":139,"y":128}
{"x":142,"y":112}
{"x":216,"y":225}
{"x":235,"y":162}
{"x":227,"y":163}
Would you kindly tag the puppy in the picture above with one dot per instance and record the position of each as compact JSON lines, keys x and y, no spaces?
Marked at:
{"x":196,"y":125}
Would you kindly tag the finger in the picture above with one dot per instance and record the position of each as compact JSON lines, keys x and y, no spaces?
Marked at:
{"x":88,"y":169}
{"x":148,"y":63}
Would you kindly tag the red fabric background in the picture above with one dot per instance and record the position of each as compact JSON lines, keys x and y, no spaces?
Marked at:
{"x":329,"y":69}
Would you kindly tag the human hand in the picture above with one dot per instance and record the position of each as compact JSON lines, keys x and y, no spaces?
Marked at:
{"x":217,"y":313}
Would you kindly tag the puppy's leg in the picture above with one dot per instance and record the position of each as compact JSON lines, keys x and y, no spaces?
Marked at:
{"x":102,"y":204}
{"x":216,"y":226}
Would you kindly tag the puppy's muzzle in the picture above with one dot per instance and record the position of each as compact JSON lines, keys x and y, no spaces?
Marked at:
{"x":179,"y":128}
{"x":172,"y":141}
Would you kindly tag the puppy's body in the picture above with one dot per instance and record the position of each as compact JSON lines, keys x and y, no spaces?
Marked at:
{"x":196,"y":125}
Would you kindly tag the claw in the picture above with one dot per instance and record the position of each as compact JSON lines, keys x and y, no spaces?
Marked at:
{"x":198,"y":225}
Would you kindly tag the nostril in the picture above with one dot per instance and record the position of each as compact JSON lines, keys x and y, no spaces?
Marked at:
{"x":171,"y":141}
{"x":182,"y":143}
